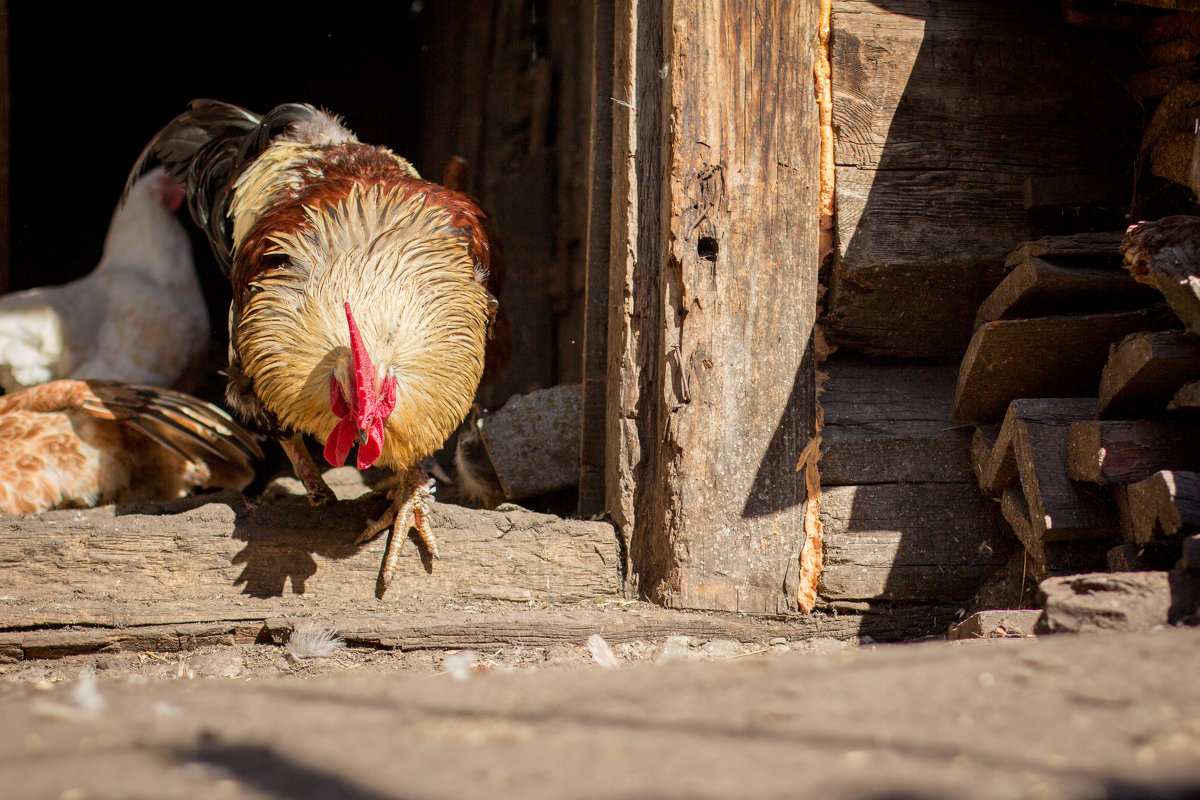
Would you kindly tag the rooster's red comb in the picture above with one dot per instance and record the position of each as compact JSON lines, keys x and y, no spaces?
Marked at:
{"x":364,"y":370}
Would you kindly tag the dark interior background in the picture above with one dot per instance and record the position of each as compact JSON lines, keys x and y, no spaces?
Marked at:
{"x":497,"y":81}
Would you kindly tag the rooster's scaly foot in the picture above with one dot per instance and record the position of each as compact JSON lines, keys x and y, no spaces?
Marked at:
{"x":409,"y":510}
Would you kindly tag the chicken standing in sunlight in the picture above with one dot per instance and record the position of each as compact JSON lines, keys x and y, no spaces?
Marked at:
{"x":359,"y":311}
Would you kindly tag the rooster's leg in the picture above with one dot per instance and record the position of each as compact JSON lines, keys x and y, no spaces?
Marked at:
{"x":409,"y":509}
{"x":319,"y":493}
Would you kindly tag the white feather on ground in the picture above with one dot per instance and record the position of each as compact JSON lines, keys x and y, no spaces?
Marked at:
{"x":311,"y":639}
{"x":138,"y":317}
{"x":601,"y":652}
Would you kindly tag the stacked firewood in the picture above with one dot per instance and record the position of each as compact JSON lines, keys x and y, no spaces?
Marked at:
{"x":1083,"y":376}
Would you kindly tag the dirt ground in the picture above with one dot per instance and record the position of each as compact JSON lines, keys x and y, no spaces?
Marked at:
{"x":1054,"y":717}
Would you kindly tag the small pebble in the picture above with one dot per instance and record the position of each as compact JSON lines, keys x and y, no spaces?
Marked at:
{"x":721,"y":648}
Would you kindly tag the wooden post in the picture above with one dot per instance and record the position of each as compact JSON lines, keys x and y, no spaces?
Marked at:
{"x":712,"y":292}
{"x":599,"y":231}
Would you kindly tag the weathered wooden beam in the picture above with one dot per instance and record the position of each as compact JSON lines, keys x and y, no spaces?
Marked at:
{"x":1075,"y":192}
{"x":1060,"y":510}
{"x":1144,"y":371}
{"x":993,"y":447}
{"x":1166,"y":254}
{"x":1094,"y":250}
{"x":929,"y":199}
{"x":1114,"y":451}
{"x":890,"y":422}
{"x":1043,"y":357}
{"x":218,"y":561}
{"x":1036,"y":287}
{"x":1163,"y":507}
{"x":714,"y":262}
{"x":1047,"y":558}
{"x":1188,"y":397}
{"x":909,"y":542}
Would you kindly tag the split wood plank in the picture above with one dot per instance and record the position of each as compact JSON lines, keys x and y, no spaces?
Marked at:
{"x":1060,"y":510}
{"x":1043,"y":357}
{"x":929,"y":198}
{"x":1117,"y":451}
{"x":1036,"y":287}
{"x":1166,"y":254}
{"x":1163,"y":507}
{"x":990,"y":477}
{"x":1188,"y":397}
{"x":1145,"y":370}
{"x":993,"y":448}
{"x":1047,"y":558}
{"x":890,"y":422}
{"x":909,"y":542}
{"x":1095,"y":250}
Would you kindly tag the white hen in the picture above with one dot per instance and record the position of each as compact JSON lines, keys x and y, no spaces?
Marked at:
{"x":138,"y":317}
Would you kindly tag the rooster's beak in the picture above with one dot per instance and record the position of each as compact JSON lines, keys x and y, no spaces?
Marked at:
{"x":363,"y":436}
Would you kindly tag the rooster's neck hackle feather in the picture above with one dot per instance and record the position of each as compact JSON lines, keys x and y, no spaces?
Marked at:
{"x":410,"y":277}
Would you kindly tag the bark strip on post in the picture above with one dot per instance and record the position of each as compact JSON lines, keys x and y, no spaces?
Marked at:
{"x":713,"y":295}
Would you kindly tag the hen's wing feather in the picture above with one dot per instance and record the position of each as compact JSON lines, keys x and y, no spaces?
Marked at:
{"x":189,"y":427}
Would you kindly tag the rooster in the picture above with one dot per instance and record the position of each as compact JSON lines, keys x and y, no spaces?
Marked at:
{"x":138,"y":317}
{"x":359,"y":312}
{"x":70,"y":444}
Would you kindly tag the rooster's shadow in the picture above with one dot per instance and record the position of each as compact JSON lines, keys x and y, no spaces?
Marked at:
{"x":282,"y":537}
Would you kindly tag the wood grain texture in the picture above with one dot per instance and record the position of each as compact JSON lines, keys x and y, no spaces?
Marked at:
{"x":634,"y":253}
{"x":1165,"y":254}
{"x":1145,"y":370}
{"x":1036,"y":287}
{"x":1162,"y":507}
{"x":993,"y":448}
{"x":936,"y":133}
{"x":504,"y":91}
{"x":1123,"y":451}
{"x":1042,"y":357}
{"x":1060,"y":510}
{"x":911,"y":542}
{"x":216,"y":562}
{"x":890,"y":422}
{"x":713,"y":370}
{"x":593,"y":440}
{"x":1047,"y":558}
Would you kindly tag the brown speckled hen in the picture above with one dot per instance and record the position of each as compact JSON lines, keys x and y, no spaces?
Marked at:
{"x":359,"y":311}
{"x":73,"y":444}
